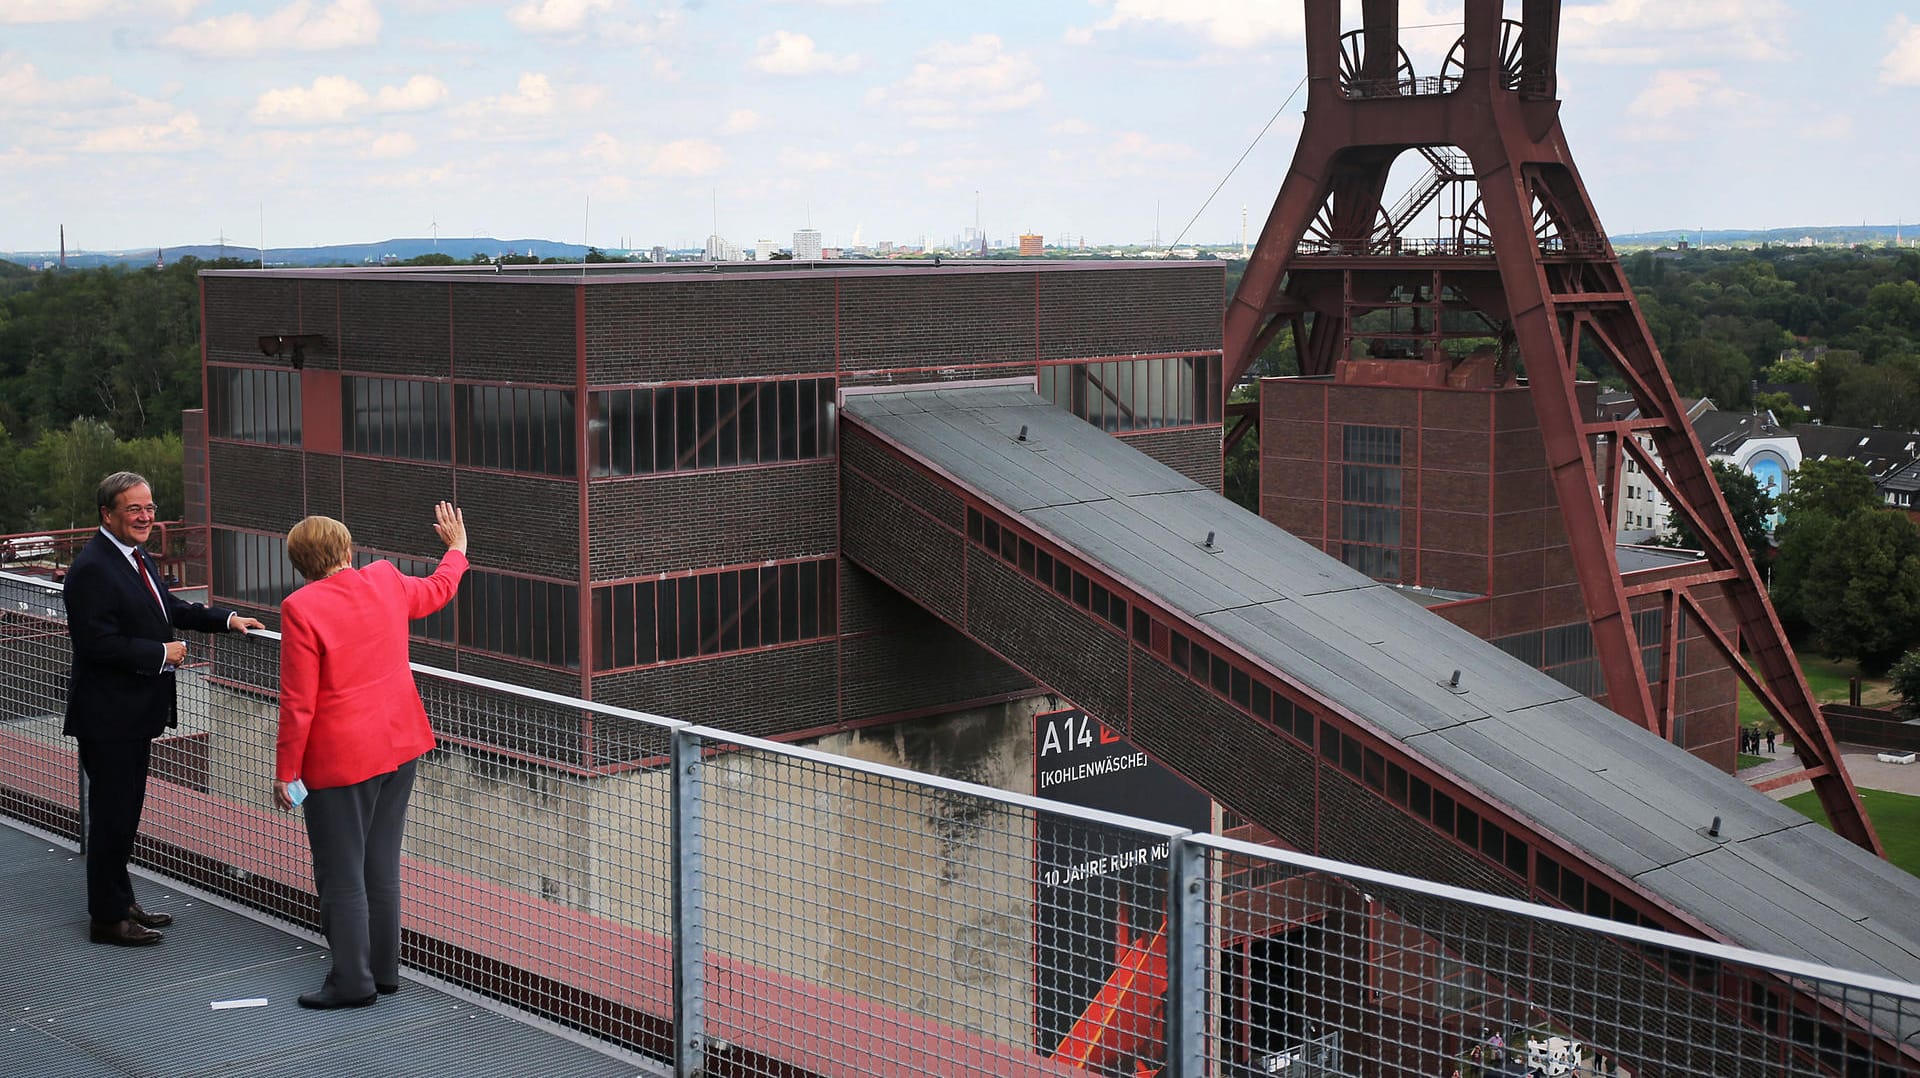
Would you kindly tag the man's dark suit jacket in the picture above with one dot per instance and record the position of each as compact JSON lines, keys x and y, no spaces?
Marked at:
{"x":117,"y":692}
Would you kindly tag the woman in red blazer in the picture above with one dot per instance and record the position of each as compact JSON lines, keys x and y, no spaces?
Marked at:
{"x":351,"y":727}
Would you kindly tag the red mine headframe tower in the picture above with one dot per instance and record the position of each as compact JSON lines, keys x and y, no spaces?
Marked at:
{"x":1526,"y":262}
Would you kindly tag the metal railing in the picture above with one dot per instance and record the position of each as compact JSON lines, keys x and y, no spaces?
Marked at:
{"x":737,"y":906}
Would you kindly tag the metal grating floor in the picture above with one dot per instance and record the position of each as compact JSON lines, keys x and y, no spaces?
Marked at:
{"x":68,"y":1007}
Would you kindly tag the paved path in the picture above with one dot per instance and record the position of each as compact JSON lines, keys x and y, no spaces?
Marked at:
{"x":1863,"y":765}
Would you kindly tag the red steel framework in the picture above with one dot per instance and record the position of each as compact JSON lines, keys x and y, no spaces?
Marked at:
{"x":1522,"y":259}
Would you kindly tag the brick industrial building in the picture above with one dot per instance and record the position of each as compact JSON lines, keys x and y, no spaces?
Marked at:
{"x":657,"y":451}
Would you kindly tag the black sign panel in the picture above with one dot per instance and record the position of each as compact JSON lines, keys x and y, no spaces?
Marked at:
{"x":1098,"y":889}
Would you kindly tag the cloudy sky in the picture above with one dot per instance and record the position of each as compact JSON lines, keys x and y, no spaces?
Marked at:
{"x":630,"y":122}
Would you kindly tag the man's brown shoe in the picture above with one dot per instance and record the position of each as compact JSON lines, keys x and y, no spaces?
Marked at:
{"x":148,"y":920}
{"x":123,"y":933}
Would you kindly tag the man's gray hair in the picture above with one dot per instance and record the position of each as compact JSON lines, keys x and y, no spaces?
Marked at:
{"x":115,"y":485}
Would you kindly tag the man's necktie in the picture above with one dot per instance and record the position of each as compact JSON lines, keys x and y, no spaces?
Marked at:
{"x":141,"y":563}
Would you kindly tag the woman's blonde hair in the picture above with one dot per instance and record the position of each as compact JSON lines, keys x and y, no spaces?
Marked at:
{"x":318,"y":545}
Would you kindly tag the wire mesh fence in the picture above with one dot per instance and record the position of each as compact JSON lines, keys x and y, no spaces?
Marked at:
{"x":734,"y":906}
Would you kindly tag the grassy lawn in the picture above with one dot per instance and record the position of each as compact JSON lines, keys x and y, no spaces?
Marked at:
{"x":1745,"y":761}
{"x":1895,"y":816}
{"x":1828,"y":680}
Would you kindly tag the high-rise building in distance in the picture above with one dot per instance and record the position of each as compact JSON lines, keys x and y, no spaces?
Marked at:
{"x":806,"y":244}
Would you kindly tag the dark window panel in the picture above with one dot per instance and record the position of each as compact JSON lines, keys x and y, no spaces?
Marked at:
{"x":640,"y":407}
{"x":710,"y":613}
{"x":728,"y":584}
{"x":750,"y":606}
{"x":749,"y":423}
{"x":664,"y":437}
{"x":686,"y":427}
{"x":789,"y":603}
{"x":728,"y":445}
{"x":570,"y":627}
{"x":667,"y":611}
{"x":829,"y":597}
{"x":768,"y":406}
{"x":789,"y":421}
{"x":645,"y":620}
{"x":807,"y":412}
{"x":707,"y":449}
{"x":689,"y":628}
{"x":621,"y":619}
{"x":809,"y":600}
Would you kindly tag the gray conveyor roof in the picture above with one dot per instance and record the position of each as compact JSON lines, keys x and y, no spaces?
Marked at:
{"x":1778,"y":882}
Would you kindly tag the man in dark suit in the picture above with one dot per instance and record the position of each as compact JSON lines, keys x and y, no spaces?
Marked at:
{"x":120,"y":695}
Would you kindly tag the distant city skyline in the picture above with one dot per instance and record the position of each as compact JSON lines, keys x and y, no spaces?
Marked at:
{"x":618,"y":123}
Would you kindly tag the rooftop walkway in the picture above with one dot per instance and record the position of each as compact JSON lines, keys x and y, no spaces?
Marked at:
{"x":73,"y":1008}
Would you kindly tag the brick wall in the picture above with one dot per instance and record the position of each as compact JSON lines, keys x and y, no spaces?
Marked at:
{"x":1102,"y":312}
{"x":396,"y":327}
{"x":697,"y":520}
{"x":514,"y":331}
{"x":685,"y":330}
{"x":938,"y":319}
{"x":388,"y":505}
{"x":1194,"y":453}
{"x":763,"y":693}
{"x":255,"y":486}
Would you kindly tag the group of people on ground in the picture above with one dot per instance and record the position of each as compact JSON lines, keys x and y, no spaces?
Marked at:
{"x":1752,"y":737}
{"x":352,"y":724}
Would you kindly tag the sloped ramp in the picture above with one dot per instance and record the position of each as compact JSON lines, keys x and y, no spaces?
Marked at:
{"x":1319,"y":703}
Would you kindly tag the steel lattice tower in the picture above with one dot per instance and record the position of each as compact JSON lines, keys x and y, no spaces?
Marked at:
{"x":1527,"y":257}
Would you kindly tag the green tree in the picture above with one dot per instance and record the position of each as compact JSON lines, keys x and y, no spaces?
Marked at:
{"x":1707,"y":367}
{"x":1862,"y":592}
{"x":1837,"y":487}
{"x":69,"y":465}
{"x":1749,"y":503}
{"x":1790,"y":370}
{"x":13,"y":515}
{"x":1905,"y":675}
{"x":1781,"y":405}
{"x":1240,"y":471}
{"x":1804,"y":537}
{"x":159,"y":459}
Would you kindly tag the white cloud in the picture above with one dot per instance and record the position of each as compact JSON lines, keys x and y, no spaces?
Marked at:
{"x":794,"y":54}
{"x":685,"y":157}
{"x":555,"y":16}
{"x":434,"y":176}
{"x":328,"y":100}
{"x":604,"y":148}
{"x":741,"y":121}
{"x":1901,"y":66}
{"x":809,"y":160}
{"x":391,"y":144}
{"x":46,"y":11}
{"x":176,"y":132}
{"x":418,"y":93}
{"x":23,"y":86}
{"x":1072,"y":125}
{"x":1234,"y":24}
{"x":953,"y":82}
{"x":1670,"y":32}
{"x":300,"y":26}
{"x":1677,"y":104}
{"x":534,"y":95}
{"x":333,"y":99}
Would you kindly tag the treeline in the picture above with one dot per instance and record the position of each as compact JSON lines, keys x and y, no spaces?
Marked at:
{"x":95,"y":369}
{"x":1848,"y":321}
